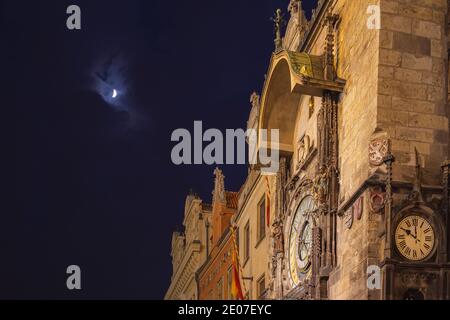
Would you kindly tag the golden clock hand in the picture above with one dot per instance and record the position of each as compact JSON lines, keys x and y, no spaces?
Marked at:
{"x":408,"y":232}
{"x":415,"y":234}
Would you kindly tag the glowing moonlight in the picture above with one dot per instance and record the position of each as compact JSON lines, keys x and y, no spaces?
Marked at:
{"x":114,"y":94}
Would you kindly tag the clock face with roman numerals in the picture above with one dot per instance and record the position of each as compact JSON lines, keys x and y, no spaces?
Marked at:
{"x":414,"y":238}
{"x":300,"y":241}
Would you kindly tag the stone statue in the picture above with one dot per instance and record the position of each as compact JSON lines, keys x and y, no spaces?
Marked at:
{"x":321,"y":186}
{"x":278,"y":245}
{"x":255,"y":100}
{"x":294,"y":6}
{"x":278,"y":20}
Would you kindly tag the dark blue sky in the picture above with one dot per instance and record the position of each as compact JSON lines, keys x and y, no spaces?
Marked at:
{"x":94,"y":183}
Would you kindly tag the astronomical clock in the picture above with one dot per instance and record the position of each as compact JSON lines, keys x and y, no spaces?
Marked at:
{"x":300,"y":241}
{"x":328,"y":228}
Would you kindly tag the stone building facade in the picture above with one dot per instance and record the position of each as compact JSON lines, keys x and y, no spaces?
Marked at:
{"x":189,"y":249}
{"x":254,"y":235}
{"x":214,"y":276}
{"x":364,"y":132}
{"x":360,"y":204}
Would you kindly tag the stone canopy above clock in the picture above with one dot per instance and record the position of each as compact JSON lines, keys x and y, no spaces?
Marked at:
{"x":305,"y":71}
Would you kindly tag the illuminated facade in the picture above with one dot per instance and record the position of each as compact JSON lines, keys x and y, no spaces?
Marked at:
{"x":364,"y":176}
{"x":189,"y":249}
{"x":214,"y":277}
{"x":363,"y":183}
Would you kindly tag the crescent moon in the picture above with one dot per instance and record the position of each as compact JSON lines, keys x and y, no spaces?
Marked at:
{"x":114,"y":95}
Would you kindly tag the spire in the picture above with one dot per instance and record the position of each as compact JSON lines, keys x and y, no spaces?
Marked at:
{"x":219,"y":186}
{"x":255,"y":100}
{"x":278,"y":21}
{"x":294,"y":7}
{"x":416,"y":194}
{"x":302,"y":21}
{"x":329,"y":71}
{"x":296,"y":10}
{"x":297,"y":26}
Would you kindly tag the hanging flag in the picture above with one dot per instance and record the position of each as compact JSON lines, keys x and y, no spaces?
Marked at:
{"x":267,"y":201}
{"x":236,"y":288}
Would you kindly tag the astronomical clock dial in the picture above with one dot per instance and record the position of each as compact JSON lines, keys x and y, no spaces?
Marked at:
{"x":300,"y":241}
{"x":414,"y":238}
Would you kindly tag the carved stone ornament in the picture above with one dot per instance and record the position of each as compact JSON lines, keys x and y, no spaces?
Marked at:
{"x":255,"y":100}
{"x":358,"y":208}
{"x":317,"y":240}
{"x":219,"y":186}
{"x":446,"y":185}
{"x":378,"y":149}
{"x":252,"y":122}
{"x":303,"y":150}
{"x":416,"y":194}
{"x":377,"y":200}
{"x":292,"y":183}
{"x":320,"y":186}
{"x":274,"y":266}
{"x":293,"y":7}
{"x":348,"y":218}
{"x":278,"y":21}
{"x":278,"y":242}
{"x":417,"y":278}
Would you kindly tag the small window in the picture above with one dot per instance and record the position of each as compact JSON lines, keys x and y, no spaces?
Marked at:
{"x":261,"y":286}
{"x":261,"y":220}
{"x":246,"y":242}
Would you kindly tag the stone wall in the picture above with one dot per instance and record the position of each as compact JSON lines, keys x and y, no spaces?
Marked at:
{"x":189,"y":250}
{"x":395,"y":85}
{"x":357,"y":62}
{"x":412,"y":91}
{"x":215,"y":271}
{"x":258,"y":263}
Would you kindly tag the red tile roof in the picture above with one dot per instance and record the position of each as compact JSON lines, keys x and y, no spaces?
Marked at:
{"x":232,"y":199}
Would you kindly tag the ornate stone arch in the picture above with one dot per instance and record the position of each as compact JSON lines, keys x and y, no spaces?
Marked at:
{"x":279,"y":103}
{"x":291,"y":75}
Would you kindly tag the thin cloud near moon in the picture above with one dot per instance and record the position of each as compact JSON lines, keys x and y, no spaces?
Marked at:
{"x":110,"y":81}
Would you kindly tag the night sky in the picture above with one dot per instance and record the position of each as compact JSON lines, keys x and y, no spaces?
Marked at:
{"x":94,"y":182}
